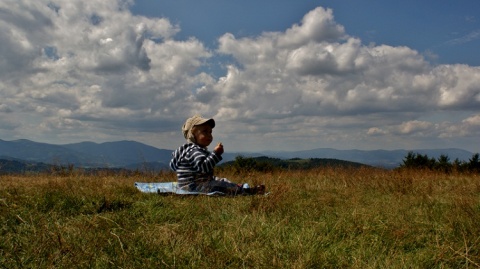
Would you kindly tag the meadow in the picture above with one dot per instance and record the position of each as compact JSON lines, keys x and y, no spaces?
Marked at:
{"x":317,"y":218}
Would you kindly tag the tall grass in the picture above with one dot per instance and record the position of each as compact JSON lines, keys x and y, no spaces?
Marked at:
{"x":324,"y":218}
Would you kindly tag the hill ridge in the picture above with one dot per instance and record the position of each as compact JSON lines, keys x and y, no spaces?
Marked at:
{"x":128,"y":153}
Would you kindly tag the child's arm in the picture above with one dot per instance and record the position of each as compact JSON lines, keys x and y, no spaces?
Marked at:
{"x":204,"y":161}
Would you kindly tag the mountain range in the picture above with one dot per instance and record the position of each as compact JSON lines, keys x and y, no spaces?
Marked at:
{"x":136,"y":155}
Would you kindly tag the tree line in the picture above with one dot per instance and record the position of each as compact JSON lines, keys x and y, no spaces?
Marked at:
{"x":442,"y":163}
{"x":412,"y":160}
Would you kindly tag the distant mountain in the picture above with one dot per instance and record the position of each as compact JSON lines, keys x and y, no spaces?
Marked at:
{"x":121,"y":153}
{"x":40,"y":152}
{"x":135,"y":155}
{"x":86,"y":154}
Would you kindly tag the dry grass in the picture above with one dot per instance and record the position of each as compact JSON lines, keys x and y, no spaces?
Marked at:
{"x":325,"y":218}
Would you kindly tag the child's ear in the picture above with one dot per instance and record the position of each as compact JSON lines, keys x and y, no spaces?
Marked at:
{"x":191,"y":137}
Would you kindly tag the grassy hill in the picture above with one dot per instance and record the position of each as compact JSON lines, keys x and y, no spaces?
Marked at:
{"x":267,"y":164}
{"x":12,"y":166}
{"x":320,"y":218}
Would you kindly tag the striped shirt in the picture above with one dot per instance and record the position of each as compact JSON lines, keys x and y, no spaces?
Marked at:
{"x":193,"y":164}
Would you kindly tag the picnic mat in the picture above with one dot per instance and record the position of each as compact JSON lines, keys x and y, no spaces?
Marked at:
{"x":169,"y":187}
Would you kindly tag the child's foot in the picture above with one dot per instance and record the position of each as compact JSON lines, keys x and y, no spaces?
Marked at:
{"x":259,"y":189}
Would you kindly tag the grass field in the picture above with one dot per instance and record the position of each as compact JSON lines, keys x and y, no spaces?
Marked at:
{"x":324,"y":218}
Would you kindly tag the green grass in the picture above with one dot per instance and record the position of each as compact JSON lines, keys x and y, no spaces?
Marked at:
{"x":325,"y":218}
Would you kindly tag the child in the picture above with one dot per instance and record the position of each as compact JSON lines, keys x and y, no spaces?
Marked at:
{"x":194,"y":164}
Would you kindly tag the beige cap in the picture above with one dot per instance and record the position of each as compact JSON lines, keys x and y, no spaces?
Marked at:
{"x":195,"y":121}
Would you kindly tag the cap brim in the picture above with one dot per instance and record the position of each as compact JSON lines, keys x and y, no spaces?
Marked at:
{"x":210,"y":122}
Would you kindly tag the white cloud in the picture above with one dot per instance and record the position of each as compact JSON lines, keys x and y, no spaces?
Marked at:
{"x":93,"y":62}
{"x":317,"y":26}
{"x":376,"y":131}
{"x":414,"y":127}
{"x":472,"y":121}
{"x":474,"y":35}
{"x":90,"y":70}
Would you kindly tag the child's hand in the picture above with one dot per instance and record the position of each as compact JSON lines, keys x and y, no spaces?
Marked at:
{"x":219,"y":149}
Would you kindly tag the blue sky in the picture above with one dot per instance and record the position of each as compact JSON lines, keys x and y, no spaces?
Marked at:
{"x":449,"y":29}
{"x":275,"y":74}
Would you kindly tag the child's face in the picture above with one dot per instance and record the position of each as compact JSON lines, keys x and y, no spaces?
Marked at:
{"x":203,"y":135}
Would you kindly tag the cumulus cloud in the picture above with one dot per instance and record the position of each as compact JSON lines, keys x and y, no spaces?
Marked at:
{"x":91,"y":70}
{"x":75,"y":63}
{"x":340,"y":78}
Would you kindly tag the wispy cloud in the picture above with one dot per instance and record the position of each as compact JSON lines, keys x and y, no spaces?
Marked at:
{"x":474,"y":35}
{"x":470,"y":19}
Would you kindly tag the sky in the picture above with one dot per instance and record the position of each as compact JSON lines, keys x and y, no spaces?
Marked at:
{"x":274,"y":74}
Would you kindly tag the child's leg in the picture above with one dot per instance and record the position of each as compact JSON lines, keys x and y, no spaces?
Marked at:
{"x":228,"y":187}
{"x":221,"y":186}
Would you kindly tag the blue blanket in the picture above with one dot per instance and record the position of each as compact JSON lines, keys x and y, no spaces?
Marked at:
{"x":169,"y":187}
